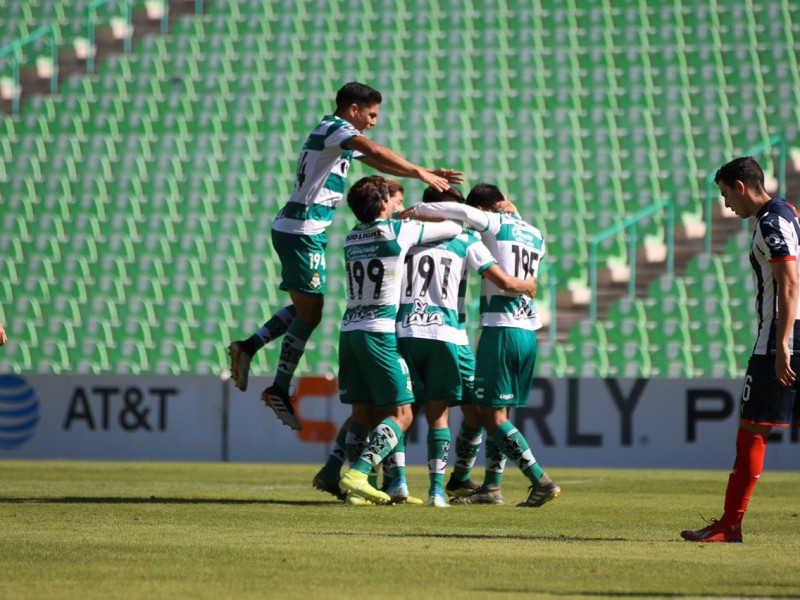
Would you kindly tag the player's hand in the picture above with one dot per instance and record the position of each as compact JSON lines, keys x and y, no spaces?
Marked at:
{"x":3,"y":336}
{"x":451,"y":175}
{"x":531,"y":287}
{"x":783,"y":368}
{"x":437,"y":182}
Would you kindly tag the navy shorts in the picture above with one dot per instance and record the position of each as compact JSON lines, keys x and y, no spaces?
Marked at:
{"x":764,"y":400}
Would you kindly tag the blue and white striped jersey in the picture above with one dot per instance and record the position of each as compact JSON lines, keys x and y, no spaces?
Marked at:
{"x":321,"y":178}
{"x":776,"y":238}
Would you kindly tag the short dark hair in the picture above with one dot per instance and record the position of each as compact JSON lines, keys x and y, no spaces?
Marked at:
{"x":484,"y":195}
{"x":366,"y":197}
{"x":357,"y":93}
{"x":451,"y":194}
{"x":394,"y":186}
{"x":744,"y":169}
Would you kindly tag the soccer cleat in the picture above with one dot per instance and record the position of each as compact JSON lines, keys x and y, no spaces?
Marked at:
{"x":356,"y":482}
{"x":541,"y":493}
{"x":240,"y":365}
{"x":398,"y":492}
{"x":715,"y":532}
{"x":323,"y":483}
{"x":485,"y":494}
{"x":281,"y":403}
{"x":352,"y":499}
{"x":458,"y":489}
{"x":437,"y":499}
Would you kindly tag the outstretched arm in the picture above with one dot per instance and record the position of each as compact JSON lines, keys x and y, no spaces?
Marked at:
{"x":3,"y":336}
{"x":477,"y":219}
{"x":509,"y":283}
{"x":389,"y":162}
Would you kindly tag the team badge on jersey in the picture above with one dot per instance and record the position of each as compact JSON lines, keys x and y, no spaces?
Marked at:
{"x":421,"y":318}
{"x":316,"y":281}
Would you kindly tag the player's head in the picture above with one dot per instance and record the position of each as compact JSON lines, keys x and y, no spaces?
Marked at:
{"x":367,"y":196}
{"x":485,"y":196}
{"x":744,"y":169}
{"x":451,"y":194}
{"x":359,"y":104}
{"x":741,"y":183}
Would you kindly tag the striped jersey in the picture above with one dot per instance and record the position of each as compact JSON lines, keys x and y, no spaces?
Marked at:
{"x":434,"y":287}
{"x":374,"y":258}
{"x":776,"y":238}
{"x":518,"y":248}
{"x":321,"y":178}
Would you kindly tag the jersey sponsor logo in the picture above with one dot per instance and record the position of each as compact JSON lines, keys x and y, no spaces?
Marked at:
{"x":506,"y":396}
{"x":775,"y":241}
{"x":359,"y":314}
{"x":364,"y":235}
{"x":365,"y":251}
{"x":521,"y":234}
{"x":421,"y":318}
{"x":524,"y":311}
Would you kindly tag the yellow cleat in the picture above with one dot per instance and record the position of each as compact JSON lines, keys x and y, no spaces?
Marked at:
{"x":355,"y":481}
{"x":356,"y":500}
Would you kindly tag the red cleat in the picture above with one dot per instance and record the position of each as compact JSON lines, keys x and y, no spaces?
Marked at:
{"x":715,"y":532}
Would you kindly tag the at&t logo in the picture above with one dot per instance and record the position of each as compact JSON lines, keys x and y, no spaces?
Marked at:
{"x":19,"y":412}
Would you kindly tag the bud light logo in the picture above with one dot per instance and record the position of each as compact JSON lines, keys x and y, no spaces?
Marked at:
{"x":19,"y":412}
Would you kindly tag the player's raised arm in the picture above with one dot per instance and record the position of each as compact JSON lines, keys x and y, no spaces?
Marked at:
{"x":3,"y":336}
{"x":387,"y":161}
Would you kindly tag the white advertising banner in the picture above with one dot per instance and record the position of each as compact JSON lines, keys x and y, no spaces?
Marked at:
{"x":110,"y":417}
{"x":657,"y":423}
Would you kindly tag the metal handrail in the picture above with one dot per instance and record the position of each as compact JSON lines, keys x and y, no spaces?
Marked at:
{"x":91,"y":22}
{"x":631,"y":223}
{"x":711,"y":191}
{"x":15,"y":50}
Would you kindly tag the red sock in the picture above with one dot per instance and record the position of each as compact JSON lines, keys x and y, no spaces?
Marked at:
{"x":750,"y":448}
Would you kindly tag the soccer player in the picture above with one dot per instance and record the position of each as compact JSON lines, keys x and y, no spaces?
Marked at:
{"x":431,"y":330}
{"x":371,"y":370}
{"x":770,"y":395}
{"x":506,"y":351}
{"x":298,"y":233}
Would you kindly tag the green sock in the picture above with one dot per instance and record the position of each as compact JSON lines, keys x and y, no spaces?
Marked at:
{"x":468,"y":445}
{"x":292,"y":348}
{"x":372,"y":478}
{"x":382,"y":441}
{"x":495,"y":463}
{"x":274,"y":328}
{"x":438,"y":449}
{"x":357,"y":439}
{"x":397,"y":468}
{"x":515,"y":446}
{"x":333,"y":465}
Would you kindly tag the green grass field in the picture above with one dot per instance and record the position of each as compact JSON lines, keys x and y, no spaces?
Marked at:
{"x":127,"y":530}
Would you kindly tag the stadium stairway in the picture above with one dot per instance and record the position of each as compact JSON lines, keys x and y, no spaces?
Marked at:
{"x":106,"y":43}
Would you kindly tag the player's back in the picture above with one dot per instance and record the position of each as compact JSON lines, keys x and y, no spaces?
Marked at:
{"x":374,"y":255}
{"x":518,"y":248}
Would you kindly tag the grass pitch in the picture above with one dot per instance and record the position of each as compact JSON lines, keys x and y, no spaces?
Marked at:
{"x":152,"y":530}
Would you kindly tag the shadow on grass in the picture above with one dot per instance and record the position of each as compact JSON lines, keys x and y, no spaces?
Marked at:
{"x":478,"y":536}
{"x":157,"y":500}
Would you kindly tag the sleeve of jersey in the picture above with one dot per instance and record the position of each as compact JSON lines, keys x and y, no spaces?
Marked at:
{"x":477,"y":219}
{"x":432,"y":232}
{"x":479,"y":257}
{"x":779,"y":238}
{"x":342,"y":134}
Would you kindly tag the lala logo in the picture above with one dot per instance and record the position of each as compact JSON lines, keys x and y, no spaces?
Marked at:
{"x":357,"y":315}
{"x":421,"y":318}
{"x":524,"y":310}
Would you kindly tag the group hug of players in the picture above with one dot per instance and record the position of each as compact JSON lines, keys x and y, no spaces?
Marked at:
{"x":403,"y":346}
